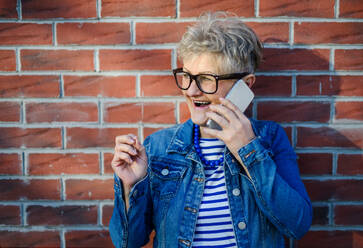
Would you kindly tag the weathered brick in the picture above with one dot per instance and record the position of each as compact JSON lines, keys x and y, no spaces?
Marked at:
{"x":80,"y":189}
{"x":30,"y":189}
{"x":7,"y":60}
{"x":328,"y":33}
{"x":100,"y":86}
{"x":320,"y":215}
{"x":349,"y":111}
{"x":350,"y":9}
{"x":315,"y":163}
{"x":349,"y":59}
{"x":10,"y":111}
{"x":106,"y":214}
{"x":334,"y":190}
{"x":330,"y":137}
{"x":164,"y":32}
{"x":30,"y":239}
{"x":135,"y":59}
{"x":8,"y":9}
{"x":329,"y":85}
{"x":95,"y":137}
{"x":122,"y":112}
{"x":329,"y":239}
{"x":30,"y":137}
{"x":271,"y":32}
{"x":184,"y":113}
{"x":93,"y":33}
{"x":149,"y":8}
{"x":57,"y":164}
{"x":190,"y":8}
{"x":9,"y":215}
{"x":306,"y":8}
{"x":159,"y":113}
{"x":61,"y":111}
{"x":107,"y":159}
{"x":348,"y":215}
{"x":65,"y":60}
{"x":59,"y":9}
{"x":294,"y":111}
{"x":10,"y":164}
{"x":295,"y":59}
{"x":61,"y":215}
{"x":158,"y":85}
{"x":88,"y":239}
{"x":350,"y":164}
{"x":150,"y":130}
{"x":25,"y":34}
{"x":272,"y":86}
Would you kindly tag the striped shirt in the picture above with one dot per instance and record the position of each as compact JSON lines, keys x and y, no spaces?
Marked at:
{"x":214,"y":224}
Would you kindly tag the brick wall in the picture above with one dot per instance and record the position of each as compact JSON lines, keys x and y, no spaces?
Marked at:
{"x":74,"y":74}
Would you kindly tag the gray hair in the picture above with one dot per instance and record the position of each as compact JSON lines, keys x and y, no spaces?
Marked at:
{"x":225,"y":36}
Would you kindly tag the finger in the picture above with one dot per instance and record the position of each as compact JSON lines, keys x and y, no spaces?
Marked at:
{"x":128,"y":139}
{"x":121,"y":157}
{"x":213,"y":132}
{"x":138,"y":145}
{"x":126,"y":148}
{"x":224,"y":111}
{"x":233,"y":107}
{"x":218,"y":118}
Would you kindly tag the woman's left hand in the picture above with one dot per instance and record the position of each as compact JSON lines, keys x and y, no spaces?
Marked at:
{"x":236,"y":127}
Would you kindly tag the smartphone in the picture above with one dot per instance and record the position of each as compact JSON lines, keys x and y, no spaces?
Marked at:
{"x":240,"y":95}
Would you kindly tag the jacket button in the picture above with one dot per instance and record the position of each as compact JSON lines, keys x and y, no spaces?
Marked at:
{"x":165,"y":172}
{"x":241,"y":225}
{"x":236,"y":192}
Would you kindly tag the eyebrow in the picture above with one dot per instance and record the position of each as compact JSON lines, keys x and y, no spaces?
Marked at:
{"x":203,"y":72}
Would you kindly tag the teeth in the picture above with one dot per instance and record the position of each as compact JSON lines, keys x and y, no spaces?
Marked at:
{"x":201,"y":103}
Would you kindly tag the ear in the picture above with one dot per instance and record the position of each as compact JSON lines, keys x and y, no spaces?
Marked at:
{"x":250,"y":79}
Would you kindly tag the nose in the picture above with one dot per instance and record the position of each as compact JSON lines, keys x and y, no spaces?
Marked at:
{"x":193,"y":90}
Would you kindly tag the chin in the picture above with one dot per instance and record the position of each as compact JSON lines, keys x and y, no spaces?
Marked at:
{"x":199,"y":121}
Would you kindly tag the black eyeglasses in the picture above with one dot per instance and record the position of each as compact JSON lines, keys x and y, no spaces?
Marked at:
{"x":207,"y":83}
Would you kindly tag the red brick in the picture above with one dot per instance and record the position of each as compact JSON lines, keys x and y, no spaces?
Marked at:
{"x":93,"y":33}
{"x":350,"y":9}
{"x":65,"y":60}
{"x":61,"y":111}
{"x":10,"y":164}
{"x":59,"y":164}
{"x":165,"y":32}
{"x":159,"y":113}
{"x":329,"y":85}
{"x":122,"y":112}
{"x":329,"y":239}
{"x":334,"y":190}
{"x":107,"y":159}
{"x":288,"y":131}
{"x":135,"y":59}
{"x":271,"y":32}
{"x":184,"y":113}
{"x":100,"y":86}
{"x":29,"y":239}
{"x":29,"y":86}
{"x":150,"y":130}
{"x":306,"y":8}
{"x":79,"y":189}
{"x":348,"y":215}
{"x":30,"y":137}
{"x":25,"y":34}
{"x":9,"y":215}
{"x":61,"y":215}
{"x":191,"y":8}
{"x":106,"y":214}
{"x":95,"y":137}
{"x":328,"y":33}
{"x":59,"y":9}
{"x":7,"y":60}
{"x":88,"y":239}
{"x":349,"y":59}
{"x":330,"y":137}
{"x":272,"y":86}
{"x":350,"y":164}
{"x":128,"y":8}
{"x":8,"y":9}
{"x":320,"y":215}
{"x":350,"y":111}
{"x":10,"y":111}
{"x":294,"y":111}
{"x":315,"y":163}
{"x":29,"y":189}
{"x":294,"y":59}
{"x":158,"y":85}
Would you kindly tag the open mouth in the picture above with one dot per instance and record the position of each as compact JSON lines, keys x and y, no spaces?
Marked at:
{"x":201,"y":103}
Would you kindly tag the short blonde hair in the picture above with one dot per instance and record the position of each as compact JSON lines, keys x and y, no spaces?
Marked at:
{"x":224,"y":35}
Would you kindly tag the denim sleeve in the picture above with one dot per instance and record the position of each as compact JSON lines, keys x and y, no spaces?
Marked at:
{"x":279,"y":191}
{"x":131,"y":229}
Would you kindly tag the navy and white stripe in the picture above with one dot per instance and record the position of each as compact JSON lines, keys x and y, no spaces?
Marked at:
{"x":214,"y":224}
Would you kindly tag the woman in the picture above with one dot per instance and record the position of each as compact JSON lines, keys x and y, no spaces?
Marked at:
{"x":203,"y":187}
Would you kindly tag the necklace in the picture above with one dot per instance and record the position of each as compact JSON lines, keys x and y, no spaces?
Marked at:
{"x":199,"y":150}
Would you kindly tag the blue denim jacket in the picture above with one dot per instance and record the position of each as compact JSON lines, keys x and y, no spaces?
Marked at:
{"x":271,"y":204}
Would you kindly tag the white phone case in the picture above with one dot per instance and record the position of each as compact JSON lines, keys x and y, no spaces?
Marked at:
{"x":240,"y":95}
